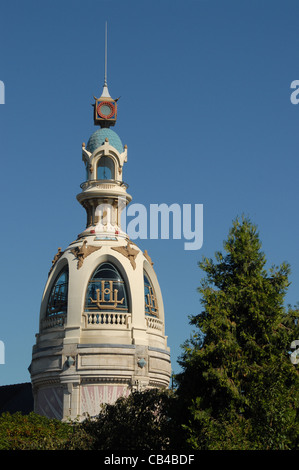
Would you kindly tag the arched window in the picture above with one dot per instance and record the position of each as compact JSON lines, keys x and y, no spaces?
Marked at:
{"x":105,"y":169}
{"x":150,"y":301}
{"x":57,"y":302}
{"x":106,"y":291}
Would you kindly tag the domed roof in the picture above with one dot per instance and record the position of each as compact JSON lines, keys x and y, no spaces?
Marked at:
{"x":98,"y":138}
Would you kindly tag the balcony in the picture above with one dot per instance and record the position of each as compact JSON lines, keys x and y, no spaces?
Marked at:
{"x":97,"y":189}
{"x":103,"y":185}
{"x":54,"y":321}
{"x":154,"y":323}
{"x":102,"y":320}
{"x":117,"y":320}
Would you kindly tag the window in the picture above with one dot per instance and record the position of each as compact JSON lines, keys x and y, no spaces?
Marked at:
{"x":150,"y":301}
{"x":105,"y":168}
{"x":57,"y":302}
{"x":106,"y":290}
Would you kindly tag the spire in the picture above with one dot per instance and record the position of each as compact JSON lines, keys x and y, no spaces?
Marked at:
{"x":105,"y":92}
{"x":105,"y":107}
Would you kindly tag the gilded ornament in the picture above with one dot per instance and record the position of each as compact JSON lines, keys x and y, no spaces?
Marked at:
{"x":81,"y":252}
{"x":128,"y":252}
{"x":56,"y":258}
{"x":106,"y":297}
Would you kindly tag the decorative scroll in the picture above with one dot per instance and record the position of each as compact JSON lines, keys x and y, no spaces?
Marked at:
{"x":81,"y":252}
{"x":56,"y":258}
{"x":128,"y":252}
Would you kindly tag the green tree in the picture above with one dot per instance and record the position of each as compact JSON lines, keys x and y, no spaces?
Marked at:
{"x":142,"y":421}
{"x":237,"y":381}
{"x":35,"y":432}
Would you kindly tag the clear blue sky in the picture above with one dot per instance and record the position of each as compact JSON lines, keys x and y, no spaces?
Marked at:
{"x":205,"y":111}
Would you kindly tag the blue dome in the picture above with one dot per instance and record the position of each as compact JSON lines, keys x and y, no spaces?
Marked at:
{"x":98,"y":138}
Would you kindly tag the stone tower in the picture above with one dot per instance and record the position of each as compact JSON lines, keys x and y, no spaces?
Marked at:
{"x":102,"y":327}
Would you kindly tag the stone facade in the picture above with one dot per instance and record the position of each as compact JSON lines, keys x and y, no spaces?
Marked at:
{"x":102,"y":325}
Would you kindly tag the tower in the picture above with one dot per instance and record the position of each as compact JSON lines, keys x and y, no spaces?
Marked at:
{"x":101,"y":328}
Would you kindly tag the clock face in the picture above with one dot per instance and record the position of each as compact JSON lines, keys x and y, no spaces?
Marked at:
{"x":105,"y":110}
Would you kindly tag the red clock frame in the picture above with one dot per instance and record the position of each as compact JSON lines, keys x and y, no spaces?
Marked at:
{"x":110,"y":105}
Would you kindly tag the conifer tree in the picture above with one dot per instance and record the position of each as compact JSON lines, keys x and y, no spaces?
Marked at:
{"x":237,"y":381}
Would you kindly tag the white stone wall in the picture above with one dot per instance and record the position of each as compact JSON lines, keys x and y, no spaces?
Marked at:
{"x":95,"y":363}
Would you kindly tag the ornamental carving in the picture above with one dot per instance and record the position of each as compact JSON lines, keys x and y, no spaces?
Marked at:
{"x":56,"y":258}
{"x":128,"y":252}
{"x":106,"y":297}
{"x":81,"y":252}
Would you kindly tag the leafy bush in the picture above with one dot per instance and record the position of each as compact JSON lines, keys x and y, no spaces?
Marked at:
{"x":142,"y":421}
{"x":35,"y":432}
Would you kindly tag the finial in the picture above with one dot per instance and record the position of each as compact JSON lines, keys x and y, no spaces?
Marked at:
{"x":105,"y":80}
{"x":105,"y":93}
{"x":105,"y":108}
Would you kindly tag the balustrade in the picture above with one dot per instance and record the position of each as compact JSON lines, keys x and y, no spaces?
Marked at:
{"x":54,"y":321}
{"x":154,"y":323}
{"x":103,"y":184}
{"x":97,"y":319}
{"x":115,"y":319}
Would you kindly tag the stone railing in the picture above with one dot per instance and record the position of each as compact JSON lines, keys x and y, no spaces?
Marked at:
{"x":114,"y":319}
{"x":107,"y":319}
{"x":154,"y":323}
{"x":54,"y":321}
{"x":103,"y":184}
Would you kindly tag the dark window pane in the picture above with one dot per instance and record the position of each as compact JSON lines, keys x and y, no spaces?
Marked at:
{"x":57,"y":302}
{"x":106,"y":271}
{"x":105,"y":170}
{"x":150,"y":301}
{"x":106,"y":290}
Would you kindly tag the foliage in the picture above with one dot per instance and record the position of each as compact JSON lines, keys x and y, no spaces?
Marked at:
{"x":237,"y":380}
{"x":142,"y":421}
{"x":35,"y":432}
{"x":238,"y":389}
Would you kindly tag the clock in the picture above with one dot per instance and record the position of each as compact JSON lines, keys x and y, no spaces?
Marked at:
{"x":105,"y":110}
